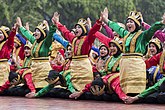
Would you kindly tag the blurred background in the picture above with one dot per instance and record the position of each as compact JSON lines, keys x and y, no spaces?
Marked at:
{"x":34,"y":11}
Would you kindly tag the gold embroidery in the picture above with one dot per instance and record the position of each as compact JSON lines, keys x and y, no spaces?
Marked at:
{"x":37,"y":49}
{"x":1,"y":45}
{"x":133,"y":41}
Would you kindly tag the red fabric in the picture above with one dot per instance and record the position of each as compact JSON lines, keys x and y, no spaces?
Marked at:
{"x":28,"y":79}
{"x":57,"y":68}
{"x":153,"y":61}
{"x":5,"y":86}
{"x":21,"y":52}
{"x":8,"y":46}
{"x":115,"y":85}
{"x":87,"y":44}
{"x":62,"y":52}
{"x":87,"y":88}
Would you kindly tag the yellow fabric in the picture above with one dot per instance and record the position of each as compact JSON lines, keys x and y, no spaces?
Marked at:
{"x":132,"y":74}
{"x":81,"y":72}
{"x":5,"y":68}
{"x":55,"y":47}
{"x":1,"y":45}
{"x":40,"y":69}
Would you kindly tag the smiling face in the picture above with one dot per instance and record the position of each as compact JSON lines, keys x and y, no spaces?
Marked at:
{"x":1,"y":36}
{"x":103,"y":51}
{"x":78,"y":30}
{"x":130,"y":25}
{"x":68,"y":52}
{"x":113,"y":48}
{"x":37,"y":34}
{"x":153,"y":49}
{"x":27,"y":51}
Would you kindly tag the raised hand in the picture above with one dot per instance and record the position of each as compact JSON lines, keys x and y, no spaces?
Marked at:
{"x":104,"y":15}
{"x":89,"y":23}
{"x":55,"y":18}
{"x":46,"y":23}
{"x":19,"y":22}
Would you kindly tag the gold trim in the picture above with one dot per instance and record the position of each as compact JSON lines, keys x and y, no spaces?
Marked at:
{"x":26,"y":72}
{"x":116,"y":65}
{"x":4,"y":32}
{"x":29,"y":62}
{"x":81,"y":56}
{"x":52,"y":81}
{"x":1,"y":45}
{"x":106,"y":64}
{"x":161,"y":62}
{"x":155,"y":73}
{"x":133,"y":41}
{"x":37,"y":49}
{"x":133,"y":18}
{"x":115,"y":75}
{"x":78,"y":52}
{"x":3,"y":60}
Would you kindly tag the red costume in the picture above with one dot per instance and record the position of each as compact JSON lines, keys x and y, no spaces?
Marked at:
{"x":7,"y":47}
{"x":113,"y":83}
{"x":26,"y":78}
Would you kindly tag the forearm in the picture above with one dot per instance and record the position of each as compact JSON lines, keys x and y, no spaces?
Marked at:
{"x":44,"y":90}
{"x":21,"y":38}
{"x":29,"y":82}
{"x":27,"y":34}
{"x":151,"y":89}
{"x":60,"y":40}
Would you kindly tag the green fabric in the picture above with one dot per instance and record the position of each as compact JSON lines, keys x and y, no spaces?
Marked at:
{"x":44,"y":90}
{"x":69,"y":84}
{"x":142,"y":40}
{"x":112,"y":62}
{"x":28,"y":59}
{"x":110,"y":65}
{"x":151,"y":89}
{"x":47,"y":88}
{"x":44,"y":50}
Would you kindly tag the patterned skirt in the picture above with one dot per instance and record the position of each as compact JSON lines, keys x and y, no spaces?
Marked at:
{"x":132,"y":74}
{"x":5,"y":68}
{"x":81,"y":71}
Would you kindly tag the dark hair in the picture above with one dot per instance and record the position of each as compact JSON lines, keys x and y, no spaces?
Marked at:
{"x":157,"y":48}
{"x":118,"y":50}
{"x":42,"y":36}
{"x":12,"y":75}
{"x":137,"y":27}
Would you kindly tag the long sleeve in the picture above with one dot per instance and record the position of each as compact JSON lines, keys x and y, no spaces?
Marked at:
{"x":147,"y":34}
{"x":65,"y":32}
{"x":10,"y":41}
{"x":48,"y":39}
{"x":160,"y":35}
{"x":119,"y":30}
{"x":87,"y":88}
{"x":44,"y":90}
{"x":153,"y":61}
{"x":145,"y":25}
{"x":151,"y":89}
{"x":23,"y":41}
{"x":5,"y":86}
{"x":69,"y":83}
{"x":60,"y":40}
{"x":29,"y":82}
{"x":27,"y":34}
{"x":109,"y":31}
{"x":57,"y":68}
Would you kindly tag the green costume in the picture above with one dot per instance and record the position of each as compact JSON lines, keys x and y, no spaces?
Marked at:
{"x":66,"y":75}
{"x":151,"y":89}
{"x":40,"y":49}
{"x":141,"y":41}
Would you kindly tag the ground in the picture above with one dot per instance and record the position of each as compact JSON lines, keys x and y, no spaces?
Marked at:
{"x":20,"y":103}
